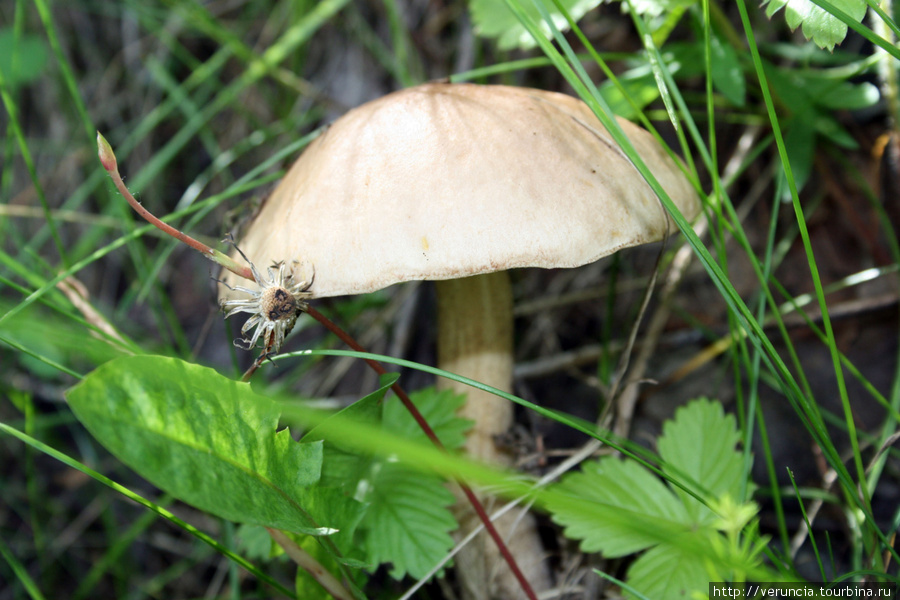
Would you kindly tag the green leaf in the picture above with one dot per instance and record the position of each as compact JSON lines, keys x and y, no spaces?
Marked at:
{"x":667,"y":572}
{"x":438,"y":407}
{"x":338,"y":503}
{"x":699,"y":445}
{"x":800,"y":88}
{"x":654,"y":8}
{"x":23,"y":60}
{"x":828,"y":126}
{"x":819,"y":26}
{"x":617,"y":507}
{"x":404,"y":516}
{"x":839,"y":94}
{"x":800,"y":143}
{"x":202,"y":437}
{"x":812,"y":97}
{"x":343,"y":467}
{"x":254,"y":542}
{"x":408,"y":522}
{"x":727,"y":74}
{"x":305,"y":585}
{"x":638,"y":84}
{"x":494,"y":19}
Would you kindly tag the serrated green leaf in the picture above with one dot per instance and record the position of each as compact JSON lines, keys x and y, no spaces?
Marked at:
{"x":699,"y":444}
{"x":667,"y":572}
{"x":335,"y":501}
{"x":818,"y":25}
{"x":617,"y":507}
{"x":494,"y":19}
{"x":439,"y":409}
{"x":343,"y":467}
{"x":408,"y":522}
{"x":403,"y":517}
{"x":202,"y":437}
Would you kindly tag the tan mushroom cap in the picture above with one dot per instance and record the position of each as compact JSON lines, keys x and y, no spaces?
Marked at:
{"x":443,"y":181}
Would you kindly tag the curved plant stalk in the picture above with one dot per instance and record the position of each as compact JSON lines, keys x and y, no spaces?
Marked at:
{"x":108,"y":160}
{"x":322,"y":575}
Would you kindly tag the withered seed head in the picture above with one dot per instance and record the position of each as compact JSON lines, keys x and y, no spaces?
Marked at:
{"x":278,"y":303}
{"x":274,"y":307}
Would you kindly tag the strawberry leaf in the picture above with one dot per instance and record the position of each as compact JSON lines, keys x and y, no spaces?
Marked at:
{"x":621,"y":508}
{"x":407,"y":523}
{"x":667,"y":572}
{"x":818,"y":25}
{"x":439,"y":409}
{"x":494,"y":19}
{"x":698,"y":447}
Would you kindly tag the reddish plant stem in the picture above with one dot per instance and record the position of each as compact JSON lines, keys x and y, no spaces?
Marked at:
{"x":423,"y":424}
{"x":108,"y":160}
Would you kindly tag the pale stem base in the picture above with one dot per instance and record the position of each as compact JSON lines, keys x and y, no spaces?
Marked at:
{"x":475,"y":339}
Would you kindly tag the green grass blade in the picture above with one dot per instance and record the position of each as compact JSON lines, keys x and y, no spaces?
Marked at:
{"x":47,"y":361}
{"x":114,"y":553}
{"x":20,"y":571}
{"x":13,"y":113}
{"x":152,"y":506}
{"x":66,"y":70}
{"x":50,"y":285}
{"x":814,"y":272}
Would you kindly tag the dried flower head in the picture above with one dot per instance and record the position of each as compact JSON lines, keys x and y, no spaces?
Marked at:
{"x":274,"y":306}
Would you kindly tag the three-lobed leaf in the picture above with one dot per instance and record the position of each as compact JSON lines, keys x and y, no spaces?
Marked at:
{"x":818,"y":25}
{"x":698,"y":448}
{"x":618,"y":507}
{"x":408,"y":521}
{"x":494,"y":19}
{"x":624,"y":508}
{"x":404,"y":519}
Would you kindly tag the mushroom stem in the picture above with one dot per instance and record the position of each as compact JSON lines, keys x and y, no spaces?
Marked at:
{"x":475,"y":339}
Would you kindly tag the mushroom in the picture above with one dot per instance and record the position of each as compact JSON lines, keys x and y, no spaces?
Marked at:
{"x":459,"y":183}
